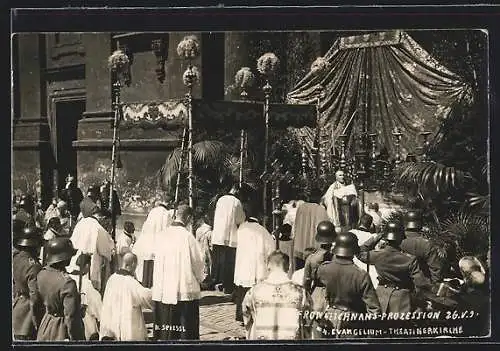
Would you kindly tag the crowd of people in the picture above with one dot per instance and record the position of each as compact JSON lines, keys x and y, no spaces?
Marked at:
{"x":79,"y":281}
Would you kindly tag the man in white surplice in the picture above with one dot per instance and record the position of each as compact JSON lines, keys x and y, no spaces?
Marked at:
{"x":363,"y":234}
{"x":177,"y":275}
{"x":229,"y":214}
{"x":122,"y":318}
{"x":90,"y":237}
{"x":159,"y":218}
{"x":255,"y":244}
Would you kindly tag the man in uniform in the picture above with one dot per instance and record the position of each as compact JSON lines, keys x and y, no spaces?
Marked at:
{"x":27,"y":309}
{"x":416,"y":245}
{"x":63,"y":315}
{"x":325,"y":236}
{"x":25,"y":211}
{"x":398,"y":272}
{"x":348,"y":288}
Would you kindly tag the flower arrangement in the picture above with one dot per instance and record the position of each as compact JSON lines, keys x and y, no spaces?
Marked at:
{"x":191,"y":75}
{"x":189,"y":48}
{"x":267,"y":63}
{"x":118,"y":61}
{"x":319,"y":65}
{"x":244,"y":78}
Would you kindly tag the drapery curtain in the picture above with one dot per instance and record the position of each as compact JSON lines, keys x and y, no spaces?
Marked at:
{"x":386,"y":80}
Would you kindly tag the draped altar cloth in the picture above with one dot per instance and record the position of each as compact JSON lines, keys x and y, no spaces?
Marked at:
{"x":387,"y":76}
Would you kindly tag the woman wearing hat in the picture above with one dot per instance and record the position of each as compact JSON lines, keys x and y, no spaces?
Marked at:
{"x":26,"y":304}
{"x":63,"y":315}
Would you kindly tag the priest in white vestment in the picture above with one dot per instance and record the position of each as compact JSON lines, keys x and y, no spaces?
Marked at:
{"x":177,"y":275}
{"x":122,"y":318}
{"x":124,"y":242}
{"x":159,"y":218}
{"x":90,"y":237}
{"x":91,"y":300}
{"x":255,"y":244}
{"x":363,"y":234}
{"x":341,"y":203}
{"x":229,"y":214}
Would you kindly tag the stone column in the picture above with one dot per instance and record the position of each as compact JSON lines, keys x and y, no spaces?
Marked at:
{"x":30,"y":127}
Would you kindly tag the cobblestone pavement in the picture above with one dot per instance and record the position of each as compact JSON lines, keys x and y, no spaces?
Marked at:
{"x":217,"y":322}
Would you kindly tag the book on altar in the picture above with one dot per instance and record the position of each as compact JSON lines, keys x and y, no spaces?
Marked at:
{"x":345,"y":191}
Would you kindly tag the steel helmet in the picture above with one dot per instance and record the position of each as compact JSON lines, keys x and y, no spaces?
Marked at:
{"x":30,"y":237}
{"x":325,"y":232}
{"x":346,"y":245}
{"x":413,"y":220}
{"x":59,"y":249}
{"x":394,"y":231}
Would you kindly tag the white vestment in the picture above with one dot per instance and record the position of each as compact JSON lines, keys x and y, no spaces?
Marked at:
{"x":178,"y":268}
{"x":123,"y":245}
{"x":229,"y":214}
{"x":91,"y":298}
{"x":159,"y":218}
{"x":90,"y":237}
{"x":255,"y":244}
{"x":362,"y":237}
{"x":122,"y":305}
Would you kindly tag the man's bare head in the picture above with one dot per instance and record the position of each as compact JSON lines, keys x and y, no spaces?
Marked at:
{"x":339,"y":176}
{"x":129,"y":262}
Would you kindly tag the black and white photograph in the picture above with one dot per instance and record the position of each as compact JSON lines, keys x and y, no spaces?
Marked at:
{"x":250,"y":185}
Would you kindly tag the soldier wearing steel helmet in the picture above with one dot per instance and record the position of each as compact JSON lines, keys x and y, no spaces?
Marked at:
{"x":25,"y":211}
{"x":26,"y":305}
{"x":399,"y":272}
{"x":63,"y":315}
{"x":420,"y":247}
{"x":349,"y":289}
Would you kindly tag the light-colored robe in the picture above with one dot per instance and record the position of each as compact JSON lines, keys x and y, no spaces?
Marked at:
{"x":178,"y":269}
{"x":92,"y":299}
{"x":90,"y":237}
{"x":255,"y":244}
{"x":333,"y":206}
{"x":123,"y":245}
{"x":159,"y":218}
{"x":123,"y":302}
{"x":362,"y":237}
{"x":229,"y":214}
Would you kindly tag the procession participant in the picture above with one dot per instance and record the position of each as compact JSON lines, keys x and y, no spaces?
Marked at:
{"x":51,"y":211}
{"x":363,"y":234}
{"x":89,"y":204}
{"x":159,"y":218}
{"x":274,"y":309}
{"x":54,"y":228}
{"x":177,"y":275}
{"x":63,"y":315}
{"x":399,"y":272}
{"x":73,"y":196}
{"x":67,"y":221}
{"x":204,"y":236}
{"x":122,"y":318}
{"x":124,"y":241}
{"x":342,"y":211}
{"x":374,"y":212}
{"x":348,"y":288}
{"x":420,"y":247}
{"x":91,"y":301}
{"x":474,"y":296}
{"x":25,"y":211}
{"x":104,"y":199}
{"x":325,"y":236}
{"x":298,"y":275}
{"x":255,"y":244}
{"x":307,"y":218}
{"x":229,"y":214}
{"x":90,"y":237}
{"x":27,"y":307}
